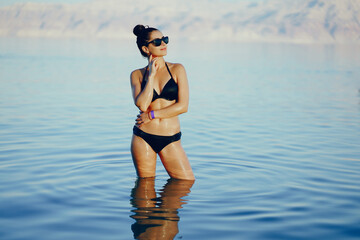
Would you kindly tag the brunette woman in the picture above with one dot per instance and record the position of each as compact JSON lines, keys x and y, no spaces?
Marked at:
{"x":161,"y":92}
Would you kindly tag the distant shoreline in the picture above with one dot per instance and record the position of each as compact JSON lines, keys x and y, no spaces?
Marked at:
{"x":298,"y":21}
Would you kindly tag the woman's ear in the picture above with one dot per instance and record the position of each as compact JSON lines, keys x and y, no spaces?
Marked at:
{"x":146,"y":50}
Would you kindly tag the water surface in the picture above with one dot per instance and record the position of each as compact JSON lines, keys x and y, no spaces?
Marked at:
{"x":272,"y":133}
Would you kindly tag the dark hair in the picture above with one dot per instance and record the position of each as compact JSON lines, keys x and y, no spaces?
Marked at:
{"x":143,"y":36}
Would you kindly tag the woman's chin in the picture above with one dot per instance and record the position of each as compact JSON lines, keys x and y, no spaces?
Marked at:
{"x":160,"y":54}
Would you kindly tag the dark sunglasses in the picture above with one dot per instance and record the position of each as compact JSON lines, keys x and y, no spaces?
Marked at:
{"x":157,"y":41}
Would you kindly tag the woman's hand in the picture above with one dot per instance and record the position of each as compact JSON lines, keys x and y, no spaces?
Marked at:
{"x":142,"y":118}
{"x":153,"y":66}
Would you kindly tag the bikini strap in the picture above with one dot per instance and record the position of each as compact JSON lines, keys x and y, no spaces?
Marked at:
{"x":169,"y":71}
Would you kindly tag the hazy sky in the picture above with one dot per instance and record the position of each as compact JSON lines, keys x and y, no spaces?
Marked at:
{"x":10,"y":2}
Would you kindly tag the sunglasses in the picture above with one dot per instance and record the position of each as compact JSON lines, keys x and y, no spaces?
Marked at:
{"x":157,"y":41}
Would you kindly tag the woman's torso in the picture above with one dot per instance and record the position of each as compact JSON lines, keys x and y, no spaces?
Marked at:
{"x":164,"y":95}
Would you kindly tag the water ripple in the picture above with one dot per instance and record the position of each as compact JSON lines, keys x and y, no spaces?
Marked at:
{"x":274,"y":147}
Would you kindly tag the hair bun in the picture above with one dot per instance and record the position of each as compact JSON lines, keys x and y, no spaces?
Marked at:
{"x":138,"y":29}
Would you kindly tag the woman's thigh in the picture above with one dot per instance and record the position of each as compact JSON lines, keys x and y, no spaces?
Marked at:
{"x":176,"y":162}
{"x":143,"y":156}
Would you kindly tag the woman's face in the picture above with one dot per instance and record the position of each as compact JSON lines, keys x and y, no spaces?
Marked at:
{"x":159,"y":51}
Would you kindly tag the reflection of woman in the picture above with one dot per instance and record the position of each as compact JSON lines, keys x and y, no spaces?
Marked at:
{"x":160,"y":91}
{"x":157,"y":218}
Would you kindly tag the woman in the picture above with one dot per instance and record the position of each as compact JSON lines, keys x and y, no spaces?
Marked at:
{"x":161,"y":92}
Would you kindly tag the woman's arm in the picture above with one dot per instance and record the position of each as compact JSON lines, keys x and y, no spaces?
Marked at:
{"x":142,"y":99}
{"x":181,"y":106}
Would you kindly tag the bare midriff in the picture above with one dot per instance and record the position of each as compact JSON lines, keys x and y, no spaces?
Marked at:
{"x":165,"y":126}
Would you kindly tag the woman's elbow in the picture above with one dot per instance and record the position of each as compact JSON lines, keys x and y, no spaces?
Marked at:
{"x":183,"y":108}
{"x":141,"y":107}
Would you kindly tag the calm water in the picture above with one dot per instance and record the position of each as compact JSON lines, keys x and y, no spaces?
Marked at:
{"x":272,"y":132}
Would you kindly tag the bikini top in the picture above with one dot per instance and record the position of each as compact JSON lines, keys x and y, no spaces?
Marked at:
{"x":170,"y":90}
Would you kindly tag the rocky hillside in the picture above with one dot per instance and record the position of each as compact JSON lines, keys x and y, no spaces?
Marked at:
{"x":300,"y":21}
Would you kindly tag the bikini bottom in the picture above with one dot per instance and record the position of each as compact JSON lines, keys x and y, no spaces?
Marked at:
{"x":156,"y":142}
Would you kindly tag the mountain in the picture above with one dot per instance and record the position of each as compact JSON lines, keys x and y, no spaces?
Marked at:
{"x":299,"y":21}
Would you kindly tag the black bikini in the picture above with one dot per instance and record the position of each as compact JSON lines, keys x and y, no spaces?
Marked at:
{"x":169,"y":92}
{"x":156,"y":142}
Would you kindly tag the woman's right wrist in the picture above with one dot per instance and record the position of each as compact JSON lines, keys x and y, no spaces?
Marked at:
{"x":150,"y":78}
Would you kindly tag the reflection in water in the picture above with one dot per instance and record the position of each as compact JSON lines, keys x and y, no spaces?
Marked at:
{"x":157,"y":217}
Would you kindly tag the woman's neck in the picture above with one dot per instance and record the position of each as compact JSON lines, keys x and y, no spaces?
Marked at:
{"x":160,"y":61}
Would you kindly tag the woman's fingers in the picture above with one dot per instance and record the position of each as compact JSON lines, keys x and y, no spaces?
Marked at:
{"x":151,"y":59}
{"x":156,"y":65}
{"x":142,"y":118}
{"x":153,"y":65}
{"x":139,"y":122}
{"x":139,"y":119}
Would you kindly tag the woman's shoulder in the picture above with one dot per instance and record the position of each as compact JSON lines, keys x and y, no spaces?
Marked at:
{"x":176,"y":67}
{"x":138,"y":73}
{"x":177,"y":71}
